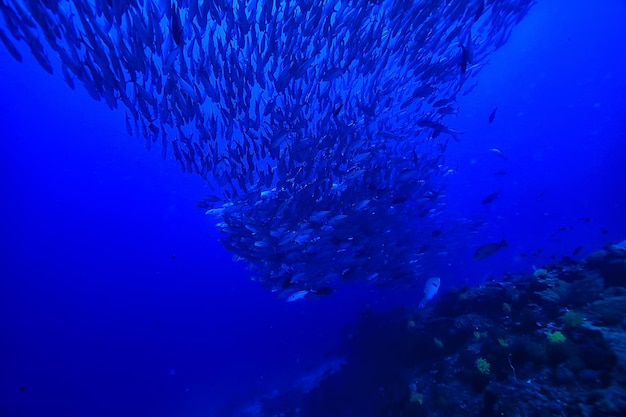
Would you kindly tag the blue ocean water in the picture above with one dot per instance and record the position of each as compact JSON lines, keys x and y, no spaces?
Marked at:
{"x":116,"y":298}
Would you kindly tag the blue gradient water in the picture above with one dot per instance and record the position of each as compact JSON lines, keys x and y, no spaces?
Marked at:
{"x":116,"y":298}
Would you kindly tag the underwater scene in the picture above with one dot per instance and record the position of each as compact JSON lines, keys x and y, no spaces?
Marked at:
{"x":299,"y":208}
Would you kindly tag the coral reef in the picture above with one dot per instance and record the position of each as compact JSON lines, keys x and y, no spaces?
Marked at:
{"x":547,"y":343}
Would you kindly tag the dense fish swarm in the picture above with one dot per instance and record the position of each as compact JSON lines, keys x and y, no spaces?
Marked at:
{"x":318,"y":124}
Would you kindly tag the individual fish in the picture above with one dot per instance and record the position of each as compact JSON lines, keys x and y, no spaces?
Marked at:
{"x":467,"y":53}
{"x":176,"y":26}
{"x":447,"y":110}
{"x":439,"y":128}
{"x":490,"y":198}
{"x":319,"y":215}
{"x":464,"y":61}
{"x":399,"y":200}
{"x":479,"y":10}
{"x":67,"y":76}
{"x":129,"y":128}
{"x":431,"y":288}
{"x":489,"y":249}
{"x":541,"y":196}
{"x":498,"y":152}
{"x":10,"y":47}
{"x":443,"y":102}
{"x":323,"y":291}
{"x":298,"y":295}
{"x":469,"y":89}
{"x":492,"y":115}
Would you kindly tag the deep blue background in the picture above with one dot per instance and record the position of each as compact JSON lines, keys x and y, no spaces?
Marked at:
{"x":116,"y":298}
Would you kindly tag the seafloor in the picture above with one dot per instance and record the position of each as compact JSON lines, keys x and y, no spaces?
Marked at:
{"x":548,"y":343}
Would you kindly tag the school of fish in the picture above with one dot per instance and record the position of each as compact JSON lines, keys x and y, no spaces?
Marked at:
{"x":318,"y":124}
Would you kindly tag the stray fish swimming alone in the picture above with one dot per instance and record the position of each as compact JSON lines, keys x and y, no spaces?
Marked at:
{"x":490,"y":198}
{"x":430,"y":290}
{"x":498,"y":152}
{"x":489,"y":249}
{"x":492,"y":116}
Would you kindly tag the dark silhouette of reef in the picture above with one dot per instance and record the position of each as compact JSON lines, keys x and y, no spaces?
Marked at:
{"x":548,"y":343}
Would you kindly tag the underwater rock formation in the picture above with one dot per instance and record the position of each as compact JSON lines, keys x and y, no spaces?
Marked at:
{"x":500,"y":349}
